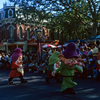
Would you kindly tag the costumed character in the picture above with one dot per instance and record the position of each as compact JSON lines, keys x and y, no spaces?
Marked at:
{"x":80,"y":64}
{"x":16,"y":66}
{"x":20,"y":63}
{"x":68,"y":66}
{"x":54,"y":64}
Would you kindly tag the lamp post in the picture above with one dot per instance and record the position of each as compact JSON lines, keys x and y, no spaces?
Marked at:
{"x":39,"y":42}
{"x":38,"y":31}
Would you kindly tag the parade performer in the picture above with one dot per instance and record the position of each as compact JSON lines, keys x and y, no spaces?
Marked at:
{"x":54,"y":64}
{"x":68,"y":66}
{"x":17,"y":69}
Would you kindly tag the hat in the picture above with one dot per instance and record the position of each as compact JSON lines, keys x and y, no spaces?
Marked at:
{"x":70,"y":51}
{"x":17,"y":53}
{"x":90,"y":59}
{"x":54,"y":58}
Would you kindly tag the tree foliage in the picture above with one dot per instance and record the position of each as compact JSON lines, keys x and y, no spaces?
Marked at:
{"x":67,"y":16}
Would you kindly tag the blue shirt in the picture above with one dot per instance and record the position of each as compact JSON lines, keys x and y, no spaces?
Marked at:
{"x":91,"y":66}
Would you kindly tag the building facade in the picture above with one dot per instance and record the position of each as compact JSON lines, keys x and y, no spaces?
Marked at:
{"x":13,"y":35}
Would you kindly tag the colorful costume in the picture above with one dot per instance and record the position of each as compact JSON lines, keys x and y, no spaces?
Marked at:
{"x":67,"y":73}
{"x":20,"y":69}
{"x":54,"y":63}
{"x":16,"y":57}
{"x":68,"y":65}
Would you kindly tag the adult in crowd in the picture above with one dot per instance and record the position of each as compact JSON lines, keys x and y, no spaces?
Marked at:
{"x":98,"y":65}
{"x":95,"y":53}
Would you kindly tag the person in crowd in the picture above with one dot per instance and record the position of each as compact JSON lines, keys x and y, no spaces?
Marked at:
{"x":89,"y":52}
{"x":0,"y":56}
{"x":85,"y":50}
{"x":59,"y":50}
{"x":91,"y":66}
{"x":63,"y":49}
{"x":98,"y":66}
{"x":81,"y":66}
{"x":39,"y":67}
{"x":3,"y":60}
{"x":14,"y":72}
{"x":50,"y":52}
{"x":82,"y":51}
{"x":95,"y":52}
{"x":98,"y":43}
{"x":95,"y":73}
{"x":78,"y":43}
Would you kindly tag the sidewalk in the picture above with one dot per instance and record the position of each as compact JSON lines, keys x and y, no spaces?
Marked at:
{"x":38,"y":89}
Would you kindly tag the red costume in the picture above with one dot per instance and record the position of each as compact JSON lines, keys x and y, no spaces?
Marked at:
{"x":14,"y":72}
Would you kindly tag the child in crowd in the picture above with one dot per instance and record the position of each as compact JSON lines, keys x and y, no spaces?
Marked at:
{"x":91,"y":66}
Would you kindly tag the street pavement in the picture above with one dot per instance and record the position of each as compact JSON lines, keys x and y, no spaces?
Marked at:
{"x":38,"y":89}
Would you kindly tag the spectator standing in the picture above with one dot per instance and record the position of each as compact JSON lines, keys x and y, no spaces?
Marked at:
{"x":89,"y":52}
{"x":91,"y":66}
{"x":98,"y":65}
{"x":95,"y":52}
{"x":78,"y":43}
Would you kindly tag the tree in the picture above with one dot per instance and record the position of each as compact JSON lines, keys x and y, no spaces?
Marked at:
{"x":84,"y":12}
{"x":69,"y":16}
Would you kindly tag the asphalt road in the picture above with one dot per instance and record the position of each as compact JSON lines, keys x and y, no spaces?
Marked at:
{"x":38,"y":89}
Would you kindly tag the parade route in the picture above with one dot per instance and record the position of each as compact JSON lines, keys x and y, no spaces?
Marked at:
{"x":38,"y":89}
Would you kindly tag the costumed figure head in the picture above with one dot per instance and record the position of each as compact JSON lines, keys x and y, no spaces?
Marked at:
{"x":17,"y":56}
{"x":70,"y":55}
{"x":53,"y":59}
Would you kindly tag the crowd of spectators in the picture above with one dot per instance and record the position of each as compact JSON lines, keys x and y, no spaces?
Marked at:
{"x":89,"y":53}
{"x":33,"y":62}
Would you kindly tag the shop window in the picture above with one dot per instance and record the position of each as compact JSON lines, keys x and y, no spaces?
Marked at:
{"x":20,"y":32}
{"x":28,"y":33}
{"x":11,"y":32}
{"x":10,"y":13}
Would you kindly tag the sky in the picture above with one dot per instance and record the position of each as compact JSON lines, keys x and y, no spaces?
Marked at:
{"x":1,"y":3}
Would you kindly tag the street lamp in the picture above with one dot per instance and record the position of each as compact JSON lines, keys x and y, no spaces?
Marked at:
{"x":38,"y":31}
{"x":39,"y":42}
